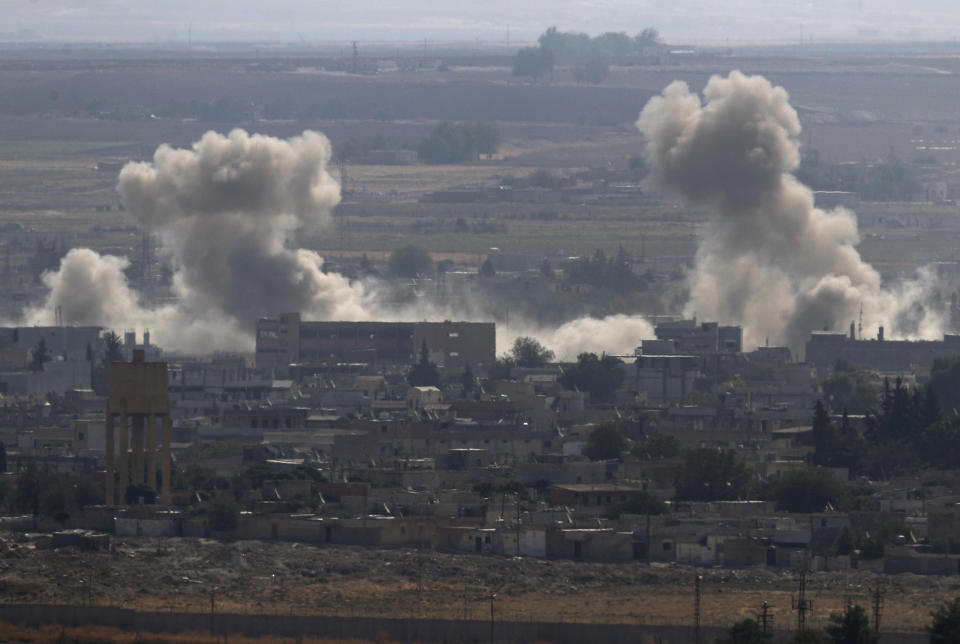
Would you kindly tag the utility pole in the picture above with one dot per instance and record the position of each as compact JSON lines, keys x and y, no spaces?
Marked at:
{"x":212,"y":612}
{"x":493,"y":596}
{"x":696,"y":607}
{"x":766,"y":620}
{"x":517,"y":522}
{"x":801,"y":604}
{"x":877,"y":609}
{"x":649,"y":547}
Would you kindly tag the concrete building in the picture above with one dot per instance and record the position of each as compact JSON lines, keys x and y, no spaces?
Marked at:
{"x":288,"y":340}
{"x":70,"y":343}
{"x":666,"y":378}
{"x":824,"y":350}
{"x":701,"y":339}
{"x":138,"y":399}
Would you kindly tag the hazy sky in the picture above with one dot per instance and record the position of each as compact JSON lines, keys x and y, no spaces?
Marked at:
{"x":314,"y":21}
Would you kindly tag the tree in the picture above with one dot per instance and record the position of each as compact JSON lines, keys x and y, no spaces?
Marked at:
{"x":425,"y":372}
{"x":112,"y":348}
{"x":939,"y":443}
{"x":850,"y":391}
{"x":411,"y":262}
{"x":600,"y":377}
{"x":487,"y":269}
{"x":500,"y":369}
{"x":852,"y":626}
{"x":647,"y":38}
{"x":546,"y":269}
{"x":455,"y":142}
{"x":528,"y":352}
{"x":40,"y":356}
{"x":601,"y":272}
{"x":654,"y":446}
{"x":807,"y":636}
{"x":810,"y":490}
{"x":605,"y":442}
{"x":945,"y":627}
{"x":486,"y":137}
{"x":467,"y":379}
{"x":845,"y":543}
{"x":824,"y":434}
{"x":945,"y":382}
{"x":747,"y":631}
{"x":613,"y":43}
{"x":533,"y":62}
{"x":224,"y":515}
{"x":640,"y":503}
{"x":713,"y":475}
{"x":593,"y":71}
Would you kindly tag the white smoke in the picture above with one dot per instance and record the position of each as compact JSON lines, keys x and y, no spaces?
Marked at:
{"x":768,"y":259}
{"x":613,"y":334}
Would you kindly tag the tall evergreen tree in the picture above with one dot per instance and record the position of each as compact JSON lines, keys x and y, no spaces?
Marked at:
{"x":424,"y":373}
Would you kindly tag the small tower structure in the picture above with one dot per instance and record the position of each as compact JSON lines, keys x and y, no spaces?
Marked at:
{"x":138,"y":403}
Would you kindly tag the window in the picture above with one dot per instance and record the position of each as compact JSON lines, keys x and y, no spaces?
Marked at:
{"x":453,"y":334}
{"x":666,"y":546}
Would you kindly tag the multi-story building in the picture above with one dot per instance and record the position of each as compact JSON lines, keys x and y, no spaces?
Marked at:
{"x":691,"y":338}
{"x":825,"y":350}
{"x":287,"y":340}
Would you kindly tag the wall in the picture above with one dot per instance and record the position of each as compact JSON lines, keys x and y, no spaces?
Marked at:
{"x":374,"y":629}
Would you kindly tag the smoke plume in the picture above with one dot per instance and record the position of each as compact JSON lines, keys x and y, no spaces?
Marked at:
{"x":225,"y":212}
{"x":768,"y":259}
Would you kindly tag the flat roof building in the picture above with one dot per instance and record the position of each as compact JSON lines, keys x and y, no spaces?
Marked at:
{"x":288,"y":340}
{"x":824,"y":350}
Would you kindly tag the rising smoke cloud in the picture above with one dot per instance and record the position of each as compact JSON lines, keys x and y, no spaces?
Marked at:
{"x":225,"y":211}
{"x":768,"y":258}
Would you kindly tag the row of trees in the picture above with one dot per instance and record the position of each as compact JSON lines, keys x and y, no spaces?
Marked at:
{"x":600,"y":376}
{"x":890,"y":180}
{"x":591,"y":55}
{"x":455,"y":142}
{"x":569,"y":45}
{"x":907,"y":432}
{"x":723,"y":475}
{"x":850,"y":626}
{"x":599,"y":271}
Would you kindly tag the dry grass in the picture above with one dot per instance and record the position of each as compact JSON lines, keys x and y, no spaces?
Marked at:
{"x":99,"y":634}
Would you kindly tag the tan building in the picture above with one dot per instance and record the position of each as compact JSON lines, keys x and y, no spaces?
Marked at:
{"x":138,"y":401}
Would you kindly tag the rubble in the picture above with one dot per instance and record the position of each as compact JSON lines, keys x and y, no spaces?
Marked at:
{"x":254,"y":576}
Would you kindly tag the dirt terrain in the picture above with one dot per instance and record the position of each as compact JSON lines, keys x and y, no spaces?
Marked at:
{"x":265,"y":577}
